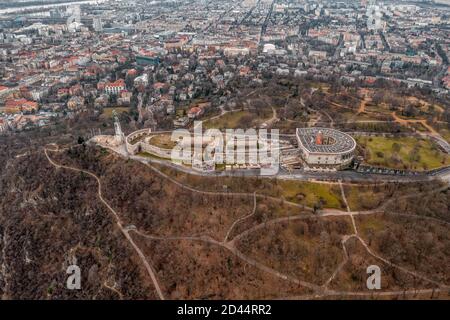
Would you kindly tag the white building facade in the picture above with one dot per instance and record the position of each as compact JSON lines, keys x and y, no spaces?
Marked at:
{"x":325,"y":148}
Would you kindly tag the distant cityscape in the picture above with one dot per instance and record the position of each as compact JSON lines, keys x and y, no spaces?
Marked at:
{"x":58,"y":62}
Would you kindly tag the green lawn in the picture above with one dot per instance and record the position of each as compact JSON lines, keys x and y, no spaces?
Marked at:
{"x":107,"y":112}
{"x":419,"y":127}
{"x":163,"y":141}
{"x":445,"y":133}
{"x":310,"y":193}
{"x":412,"y":153}
{"x":231,"y":120}
{"x":348,"y":114}
{"x":305,"y":193}
{"x":323,"y":86}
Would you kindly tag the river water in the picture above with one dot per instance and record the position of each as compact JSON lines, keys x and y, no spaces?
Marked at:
{"x":48,"y":6}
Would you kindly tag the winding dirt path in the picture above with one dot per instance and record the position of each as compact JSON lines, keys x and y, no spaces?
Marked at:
{"x":241,"y":219}
{"x":414,"y":274}
{"x":369,"y":251}
{"x":231,"y":194}
{"x":348,"y":208}
{"x":231,"y":245}
{"x":116,"y":216}
{"x":364,"y":100}
{"x":406,"y":122}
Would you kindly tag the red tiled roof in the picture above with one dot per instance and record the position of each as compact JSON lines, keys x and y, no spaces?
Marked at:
{"x":195,"y":110}
{"x":15,"y":103}
{"x":117,"y":83}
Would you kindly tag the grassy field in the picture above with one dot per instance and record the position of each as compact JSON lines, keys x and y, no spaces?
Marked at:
{"x":403,"y":153}
{"x":163,"y":141}
{"x":305,"y":193}
{"x":381,"y":108}
{"x":311,"y":194}
{"x":149,"y":155}
{"x":445,"y":133}
{"x":363,"y":198}
{"x":107,"y":112}
{"x":231,"y":120}
{"x":419,"y":127}
{"x":318,"y":85}
{"x":353,"y":116}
